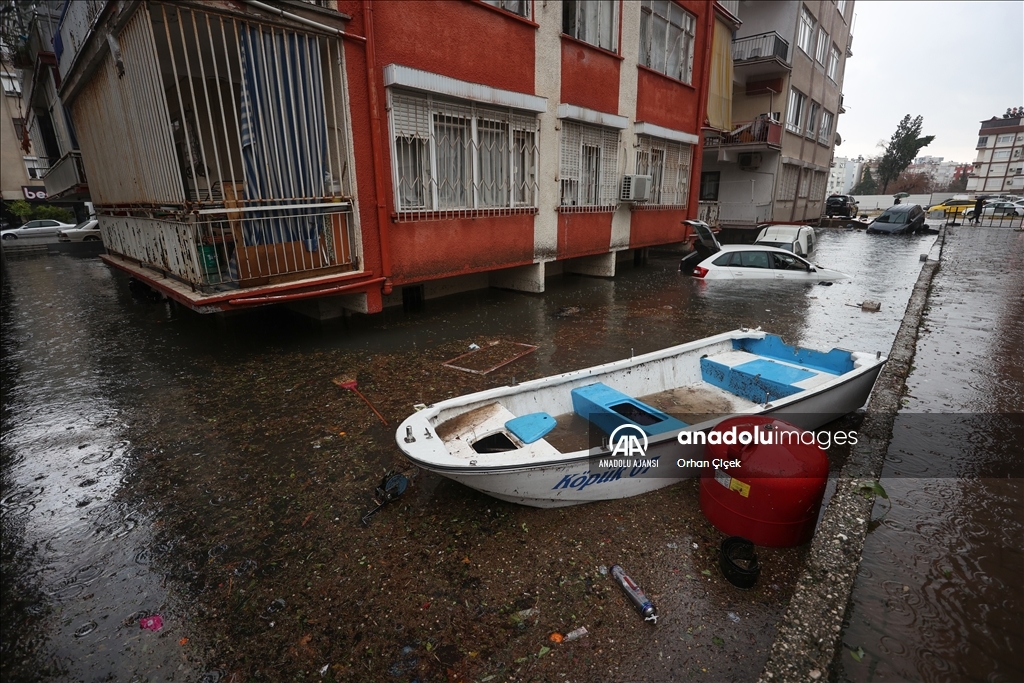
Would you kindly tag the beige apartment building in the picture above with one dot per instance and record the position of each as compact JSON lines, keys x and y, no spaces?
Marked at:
{"x":771,"y":161}
{"x":14,"y":161}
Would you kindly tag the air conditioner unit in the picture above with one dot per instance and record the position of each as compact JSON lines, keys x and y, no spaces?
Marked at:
{"x":636,"y":188}
{"x":749,"y":161}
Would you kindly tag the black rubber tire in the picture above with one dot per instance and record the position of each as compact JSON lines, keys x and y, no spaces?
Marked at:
{"x":10,"y":237}
{"x":91,"y":238}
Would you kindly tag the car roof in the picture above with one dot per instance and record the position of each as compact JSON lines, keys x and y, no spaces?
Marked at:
{"x":752,"y":247}
{"x":900,"y":208}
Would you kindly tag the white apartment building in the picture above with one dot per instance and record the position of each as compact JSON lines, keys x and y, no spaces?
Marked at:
{"x":999,"y":166}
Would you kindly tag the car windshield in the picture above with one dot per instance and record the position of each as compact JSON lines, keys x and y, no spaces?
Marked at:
{"x":895,"y":217}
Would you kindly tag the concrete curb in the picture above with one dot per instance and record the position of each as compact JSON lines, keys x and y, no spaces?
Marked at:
{"x":808,"y":639}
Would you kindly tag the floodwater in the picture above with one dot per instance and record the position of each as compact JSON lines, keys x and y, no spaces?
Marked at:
{"x":207,"y":471}
{"x":940,"y":593}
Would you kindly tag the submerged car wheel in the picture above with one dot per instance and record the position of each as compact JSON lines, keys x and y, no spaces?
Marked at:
{"x":10,"y":237}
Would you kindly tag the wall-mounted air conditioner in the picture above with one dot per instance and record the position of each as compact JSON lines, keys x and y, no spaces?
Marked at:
{"x":749,"y":161}
{"x":635,"y":188}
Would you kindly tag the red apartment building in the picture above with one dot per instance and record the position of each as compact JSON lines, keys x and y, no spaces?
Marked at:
{"x":455,"y":144}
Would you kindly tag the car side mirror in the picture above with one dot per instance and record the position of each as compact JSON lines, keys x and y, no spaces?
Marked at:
{"x":811,"y":269}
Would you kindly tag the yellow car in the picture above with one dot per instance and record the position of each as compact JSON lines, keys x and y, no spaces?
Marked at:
{"x":953,"y":207}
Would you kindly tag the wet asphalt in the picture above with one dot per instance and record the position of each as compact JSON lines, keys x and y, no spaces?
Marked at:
{"x":207,"y":471}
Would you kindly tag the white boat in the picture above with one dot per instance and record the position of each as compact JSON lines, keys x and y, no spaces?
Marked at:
{"x":542,"y":443}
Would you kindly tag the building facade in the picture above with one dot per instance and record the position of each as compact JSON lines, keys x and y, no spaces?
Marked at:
{"x":789,"y":59}
{"x":18,"y":168}
{"x":999,"y":166}
{"x":242,"y":153}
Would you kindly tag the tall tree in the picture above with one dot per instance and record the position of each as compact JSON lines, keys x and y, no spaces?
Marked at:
{"x":903,"y":146}
{"x":867,"y":184}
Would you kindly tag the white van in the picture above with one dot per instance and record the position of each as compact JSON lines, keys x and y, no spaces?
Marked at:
{"x":798,"y":239}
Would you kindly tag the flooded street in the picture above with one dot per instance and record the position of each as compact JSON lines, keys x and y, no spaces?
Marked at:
{"x":207,"y":471}
{"x":940,"y":595}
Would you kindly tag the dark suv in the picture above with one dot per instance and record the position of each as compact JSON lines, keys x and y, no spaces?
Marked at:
{"x":841,"y":205}
{"x":901,"y":219}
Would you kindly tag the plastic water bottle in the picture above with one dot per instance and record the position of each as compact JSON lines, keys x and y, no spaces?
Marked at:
{"x":636,"y":596}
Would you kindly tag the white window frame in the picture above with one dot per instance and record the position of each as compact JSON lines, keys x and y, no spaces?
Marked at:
{"x":588,"y":169}
{"x":833,"y":63}
{"x":805,"y":31}
{"x":795,"y":111}
{"x":983,"y":141}
{"x":668,"y":163}
{"x":11,"y":85}
{"x":592,"y":21}
{"x":825,"y":128}
{"x":455,"y":155}
{"x":1001,"y":155}
{"x":822,"y":48}
{"x":811,"y":128}
{"x":35,"y":167}
{"x":667,"y":33}
{"x":1006,"y":139}
{"x":521,"y":8}
{"x":841,"y":6}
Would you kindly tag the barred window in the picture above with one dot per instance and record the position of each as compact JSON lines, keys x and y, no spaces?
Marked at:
{"x":592,"y":21}
{"x":818,"y":186}
{"x":588,"y":171}
{"x":788,"y":181}
{"x":459,"y":156}
{"x":666,"y":38}
{"x":805,"y":183}
{"x":520,"y":7}
{"x":668,"y":164}
{"x":825,"y":130}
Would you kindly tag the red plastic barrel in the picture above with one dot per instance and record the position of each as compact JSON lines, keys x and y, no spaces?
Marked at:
{"x":765,"y":481}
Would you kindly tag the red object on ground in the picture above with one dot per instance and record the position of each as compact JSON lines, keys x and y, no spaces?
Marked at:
{"x":153,"y":623}
{"x":772,"y":495}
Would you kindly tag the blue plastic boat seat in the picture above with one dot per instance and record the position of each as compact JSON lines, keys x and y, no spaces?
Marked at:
{"x":760,"y":380}
{"x":532,"y":427}
{"x":609,"y":409}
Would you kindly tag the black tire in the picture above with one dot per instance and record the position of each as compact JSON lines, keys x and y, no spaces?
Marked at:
{"x":91,"y":238}
{"x":10,"y":237}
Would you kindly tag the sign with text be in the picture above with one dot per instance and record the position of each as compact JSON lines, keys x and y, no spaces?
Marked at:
{"x":33,"y":193}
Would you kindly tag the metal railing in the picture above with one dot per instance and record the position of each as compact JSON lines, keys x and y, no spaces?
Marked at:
{"x":708,"y":212}
{"x":762,"y":46}
{"x":761,"y":130}
{"x":745,"y":213}
{"x":240,"y":247}
{"x":68,"y":173}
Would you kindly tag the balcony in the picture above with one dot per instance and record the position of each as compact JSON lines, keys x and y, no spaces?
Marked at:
{"x":761,"y":54}
{"x":65,"y":179}
{"x":731,"y":6}
{"x":760,"y":133}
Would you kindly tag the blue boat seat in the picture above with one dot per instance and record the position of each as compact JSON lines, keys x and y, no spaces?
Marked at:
{"x":609,"y":409}
{"x":760,"y":380}
{"x":532,"y":427}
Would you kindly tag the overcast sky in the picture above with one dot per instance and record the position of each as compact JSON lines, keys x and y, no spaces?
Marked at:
{"x":954,"y":63}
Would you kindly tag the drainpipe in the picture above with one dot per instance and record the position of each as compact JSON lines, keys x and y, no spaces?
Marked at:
{"x":378,"y":158}
{"x":709,"y":31}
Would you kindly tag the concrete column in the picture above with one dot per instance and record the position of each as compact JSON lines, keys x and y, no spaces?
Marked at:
{"x":522,"y":279}
{"x":629,"y":48}
{"x":548,"y":83}
{"x":599,"y":265}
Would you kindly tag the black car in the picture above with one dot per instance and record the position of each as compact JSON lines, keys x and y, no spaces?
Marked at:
{"x":841,"y":205}
{"x":901,"y":219}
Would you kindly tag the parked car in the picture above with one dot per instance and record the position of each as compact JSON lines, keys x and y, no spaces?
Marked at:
{"x":952,"y":207}
{"x":704,"y":245}
{"x":759,"y":262}
{"x":44,"y":227}
{"x":900,"y":219}
{"x":86,"y":231}
{"x":997,"y":210}
{"x":798,"y":239}
{"x":841,"y":205}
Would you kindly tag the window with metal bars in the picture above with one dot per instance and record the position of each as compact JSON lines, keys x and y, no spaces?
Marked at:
{"x":668,"y":164}
{"x":588,"y":171}
{"x":459,"y":156}
{"x":788,"y":181}
{"x":666,"y":39}
{"x":818,"y":186}
{"x":805,"y":182}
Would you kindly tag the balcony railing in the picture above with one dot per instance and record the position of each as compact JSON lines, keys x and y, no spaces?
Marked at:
{"x":66,"y":174}
{"x":731,"y":6}
{"x":762,"y":46}
{"x":745,"y":213}
{"x":708,"y":212}
{"x":760,"y":131}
